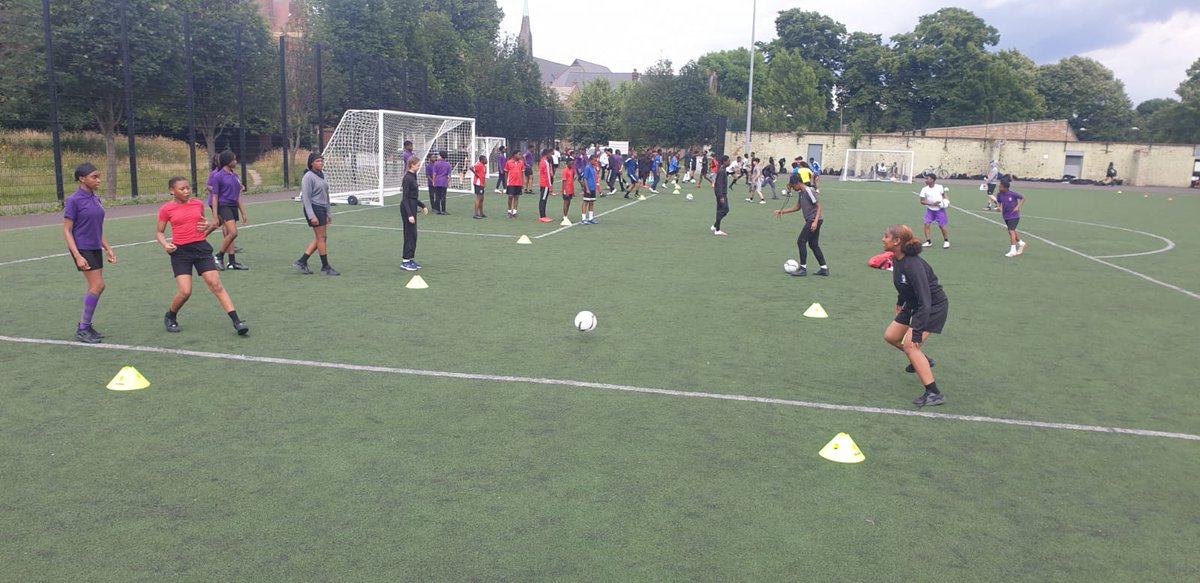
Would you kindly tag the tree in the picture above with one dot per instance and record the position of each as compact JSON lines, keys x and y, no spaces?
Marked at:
{"x":1003,"y":89}
{"x":593,"y":113}
{"x":1175,"y":121}
{"x":1088,"y":96}
{"x":662,"y":108}
{"x":790,"y":99}
{"x":214,"y":64}
{"x":865,"y":83}
{"x":813,"y":36}
{"x":733,"y":71}
{"x":87,"y":57}
{"x":23,"y":97}
{"x":932,"y":59}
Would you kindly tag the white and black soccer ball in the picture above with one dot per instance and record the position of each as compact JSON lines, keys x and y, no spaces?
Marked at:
{"x":585,"y":321}
{"x":689,"y":196}
{"x":791,"y":267}
{"x":945,"y":203}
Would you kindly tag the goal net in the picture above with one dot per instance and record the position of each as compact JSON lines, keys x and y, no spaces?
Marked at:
{"x":364,"y":159}
{"x":878,"y":165}
{"x":490,"y":146}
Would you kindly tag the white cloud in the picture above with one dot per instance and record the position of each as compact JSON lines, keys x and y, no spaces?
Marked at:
{"x":628,"y":34}
{"x":1154,"y":61}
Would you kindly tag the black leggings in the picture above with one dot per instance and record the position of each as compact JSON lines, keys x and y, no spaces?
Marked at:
{"x":722,"y":210}
{"x":437,"y":198}
{"x":813,"y":239}
{"x":542,"y":201}
{"x":410,"y":240}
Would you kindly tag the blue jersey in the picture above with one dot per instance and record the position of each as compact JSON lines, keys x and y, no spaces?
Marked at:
{"x":589,"y":177}
{"x":816,"y":168}
{"x":673,"y":165}
{"x":657,"y":163}
{"x":631,"y":166}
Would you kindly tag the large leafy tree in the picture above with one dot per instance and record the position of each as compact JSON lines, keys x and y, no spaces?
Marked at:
{"x":1175,"y":121}
{"x":594,"y":113}
{"x":1003,"y":88}
{"x":733,"y":71}
{"x":790,"y":99}
{"x":215,"y":25}
{"x":813,"y":36}
{"x":864,"y":91}
{"x":87,"y":57}
{"x":931,"y":61}
{"x":1088,"y":96}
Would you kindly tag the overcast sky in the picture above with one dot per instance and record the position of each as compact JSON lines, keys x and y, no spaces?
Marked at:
{"x":1148,"y":44}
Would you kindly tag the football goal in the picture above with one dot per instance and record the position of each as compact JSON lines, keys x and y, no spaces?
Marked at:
{"x":489,"y":146}
{"x":364,"y":159}
{"x":878,"y":165}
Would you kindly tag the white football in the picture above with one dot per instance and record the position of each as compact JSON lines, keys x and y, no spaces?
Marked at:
{"x":585,"y":321}
{"x":689,"y":196}
{"x":791,"y":266}
{"x":945,"y":203}
{"x":983,"y":187}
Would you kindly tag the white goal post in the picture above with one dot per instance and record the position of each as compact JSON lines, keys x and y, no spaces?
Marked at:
{"x":878,"y":166}
{"x":489,"y":146}
{"x":364,"y":157}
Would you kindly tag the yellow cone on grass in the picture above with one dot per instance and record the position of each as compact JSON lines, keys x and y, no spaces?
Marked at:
{"x":816,"y":311}
{"x":566,"y":222}
{"x":128,"y":379}
{"x":417,"y":282}
{"x":524,"y":240}
{"x":843,"y":450}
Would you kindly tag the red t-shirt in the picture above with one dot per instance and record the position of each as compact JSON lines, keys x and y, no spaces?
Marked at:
{"x":515,"y":169}
{"x":568,"y":179}
{"x":545,"y":176}
{"x":183,"y":219}
{"x":480,"y":170}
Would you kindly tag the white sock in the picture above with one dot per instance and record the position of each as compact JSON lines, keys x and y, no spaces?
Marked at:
{"x":824,"y":267}
{"x":803,"y":266}
{"x":1012,"y":248}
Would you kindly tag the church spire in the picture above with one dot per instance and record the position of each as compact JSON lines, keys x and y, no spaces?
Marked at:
{"x":525,"y":38}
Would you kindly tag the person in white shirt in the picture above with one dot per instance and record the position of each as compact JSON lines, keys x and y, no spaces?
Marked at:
{"x":931,"y":197}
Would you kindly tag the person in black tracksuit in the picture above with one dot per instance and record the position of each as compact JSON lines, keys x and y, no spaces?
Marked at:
{"x":408,"y":210}
{"x":721,"y":190}
{"x":921,"y":308}
{"x":810,"y":234}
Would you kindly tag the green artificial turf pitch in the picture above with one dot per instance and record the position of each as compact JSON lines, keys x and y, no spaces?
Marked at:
{"x":250,"y":470}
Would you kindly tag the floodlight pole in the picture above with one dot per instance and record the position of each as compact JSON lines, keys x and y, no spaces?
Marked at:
{"x":750,"y":93}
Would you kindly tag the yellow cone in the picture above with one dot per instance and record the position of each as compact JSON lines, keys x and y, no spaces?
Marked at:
{"x":816,"y":311}
{"x":566,"y":222}
{"x":641,"y":197}
{"x":676,"y":190}
{"x":417,"y":282}
{"x":843,"y":450}
{"x":128,"y":379}
{"x":524,"y":240}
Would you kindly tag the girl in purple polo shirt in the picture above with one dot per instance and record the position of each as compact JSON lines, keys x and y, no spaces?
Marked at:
{"x":83,"y":228}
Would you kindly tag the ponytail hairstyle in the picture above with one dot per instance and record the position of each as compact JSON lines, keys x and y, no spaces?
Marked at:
{"x":909,"y":243}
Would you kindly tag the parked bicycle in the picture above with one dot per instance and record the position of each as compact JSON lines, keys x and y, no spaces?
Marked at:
{"x":938,"y":171}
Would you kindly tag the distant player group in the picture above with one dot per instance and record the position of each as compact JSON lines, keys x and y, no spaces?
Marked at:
{"x":921,"y":305}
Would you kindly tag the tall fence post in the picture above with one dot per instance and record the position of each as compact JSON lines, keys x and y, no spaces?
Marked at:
{"x":129,"y":127}
{"x":191,"y":97}
{"x":283,"y":125}
{"x":241,"y":97}
{"x":52,"y":82}
{"x":320,"y":97}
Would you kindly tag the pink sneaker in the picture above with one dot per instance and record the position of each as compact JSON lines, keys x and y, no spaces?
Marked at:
{"x":721,"y":233}
{"x":545,"y":219}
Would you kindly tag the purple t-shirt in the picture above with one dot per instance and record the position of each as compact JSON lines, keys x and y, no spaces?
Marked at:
{"x":212,"y":186}
{"x":85,"y":209}
{"x":404,"y":159}
{"x":226,"y":187}
{"x":528,"y":158}
{"x":440,"y":174}
{"x":1008,"y":204}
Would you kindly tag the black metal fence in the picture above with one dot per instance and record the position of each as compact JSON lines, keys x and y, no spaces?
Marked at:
{"x":275,"y":103}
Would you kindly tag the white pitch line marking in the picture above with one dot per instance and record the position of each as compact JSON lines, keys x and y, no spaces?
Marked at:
{"x":607,"y":386}
{"x":561,"y":229}
{"x":1093,"y":258}
{"x":423,"y":230}
{"x":292,"y":221}
{"x":1169,"y":243}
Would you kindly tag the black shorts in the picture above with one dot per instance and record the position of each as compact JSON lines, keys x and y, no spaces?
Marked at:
{"x":227,"y":212}
{"x":589,"y":195}
{"x":991,"y":188}
{"x":529,"y":170}
{"x":1012,"y":223}
{"x":198,"y":254}
{"x":514,"y":190}
{"x":478,"y":190}
{"x":643,"y":176}
{"x":321,"y":212}
{"x":94,"y":257}
{"x":937,"y":317}
{"x":568,"y":197}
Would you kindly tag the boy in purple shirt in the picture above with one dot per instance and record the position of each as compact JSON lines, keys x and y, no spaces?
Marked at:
{"x":439,"y":181}
{"x":1010,"y":202}
{"x":83,"y":229}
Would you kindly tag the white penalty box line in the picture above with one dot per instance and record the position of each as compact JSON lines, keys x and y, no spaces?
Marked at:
{"x":605,"y":386}
{"x":1099,"y":260}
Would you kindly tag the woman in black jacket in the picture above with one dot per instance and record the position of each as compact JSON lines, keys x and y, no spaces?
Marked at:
{"x":408,"y":210}
{"x":921,"y":308}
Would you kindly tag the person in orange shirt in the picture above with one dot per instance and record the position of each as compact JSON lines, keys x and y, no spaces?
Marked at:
{"x":479,"y":182}
{"x":568,"y":184}
{"x":545,"y":183}
{"x":514,"y":170}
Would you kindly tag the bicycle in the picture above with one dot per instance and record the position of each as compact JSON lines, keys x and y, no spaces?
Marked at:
{"x":938,"y":171}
